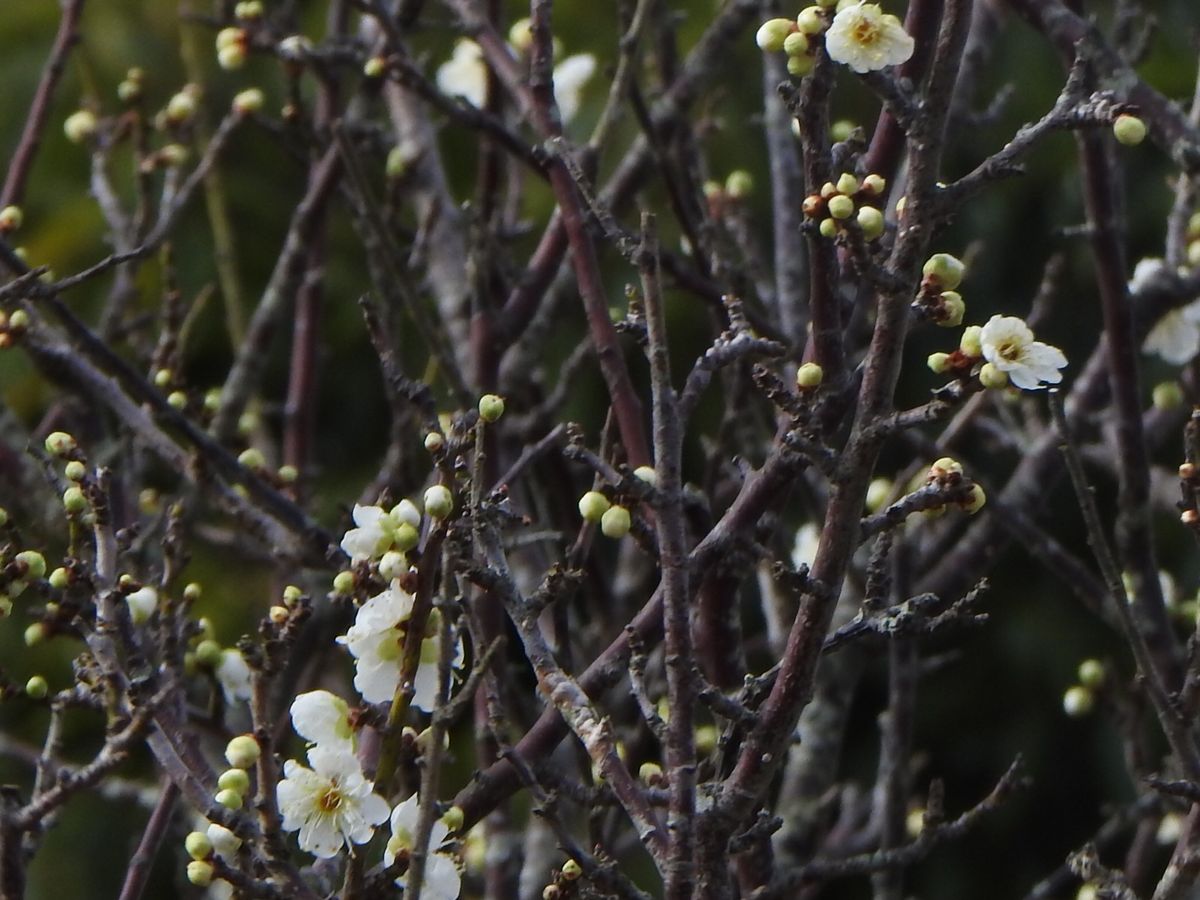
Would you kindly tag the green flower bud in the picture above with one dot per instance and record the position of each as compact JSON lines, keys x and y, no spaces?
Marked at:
{"x":80,"y":126}
{"x":1167,"y":395}
{"x":1129,"y":130}
{"x":434,"y":441}
{"x":60,"y":444}
{"x":796,"y":44}
{"x":343,"y":582}
{"x":74,"y":501}
{"x":847,"y":184}
{"x":181,"y":107}
{"x":208,"y":653}
{"x":952,"y":309}
{"x":939,"y":363}
{"x":879,"y":492}
{"x":227,"y":37}
{"x":870,"y":220}
{"x":841,"y":130}
{"x":593,"y":505}
{"x":198,"y":845}
{"x":231,"y":58}
{"x":975,"y":500}
{"x":59,"y":578}
{"x":230,"y":799}
{"x":799,"y":66}
{"x":248,"y":10}
{"x":36,"y":688}
{"x":375,"y":67}
{"x":11,"y":218}
{"x":840,"y":206}
{"x":651,"y":773}
{"x":234,"y":780}
{"x":252,"y":458}
{"x":991,"y":377}
{"x":200,"y":873}
{"x":971,"y":343}
{"x":944,"y":270}
{"x":177,"y":400}
{"x":439,"y":502}
{"x":35,"y":634}
{"x":1078,"y":701}
{"x":393,"y":563}
{"x":810,"y":20}
{"x":1091,"y":673}
{"x":242,"y":751}
{"x":6,"y":606}
{"x":875,"y":185}
{"x":809,"y":376}
{"x":33,"y":563}
{"x":453,"y":818}
{"x":248,"y":102}
{"x":491,"y":407}
{"x":739,"y":184}
{"x":571,"y":870}
{"x":75,"y":471}
{"x":945,"y":466}
{"x":772,"y":33}
{"x":615,"y":522}
{"x":828,"y":228}
{"x":291,"y":595}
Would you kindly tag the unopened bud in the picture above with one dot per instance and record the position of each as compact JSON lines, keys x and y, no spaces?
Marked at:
{"x":772,"y":33}
{"x":616,"y":522}
{"x":945,"y":270}
{"x":1129,"y":130}
{"x":809,"y":376}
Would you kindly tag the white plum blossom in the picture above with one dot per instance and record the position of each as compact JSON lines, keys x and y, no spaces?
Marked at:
{"x":442,"y":879}
{"x":234,"y":675}
{"x":865,"y":38}
{"x":332,"y":805}
{"x":142,"y":604}
{"x":465,"y":75}
{"x":1176,"y":336}
{"x":376,"y":641}
{"x":376,"y":531}
{"x":1008,"y":344}
{"x":323,"y":719}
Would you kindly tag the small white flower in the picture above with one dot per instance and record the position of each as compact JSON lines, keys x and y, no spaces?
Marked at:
{"x":1008,"y":344}
{"x":142,"y":604}
{"x":1176,"y":336}
{"x":373,"y":535}
{"x":332,"y":805}
{"x":376,"y":641}
{"x":234,"y":675}
{"x":442,"y":880}
{"x":323,"y":718}
{"x":465,"y":75}
{"x":865,"y":38}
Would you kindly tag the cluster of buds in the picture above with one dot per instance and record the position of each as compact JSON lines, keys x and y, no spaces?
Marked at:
{"x":12,"y":327}
{"x":795,"y":36}
{"x":129,"y":91}
{"x":1193,"y":240}
{"x":232,"y":45}
{"x":17,"y":574}
{"x":948,"y":473}
{"x":1080,"y":699}
{"x":938,"y":299}
{"x":614,"y":520}
{"x":736,"y":189}
{"x":846,"y":199}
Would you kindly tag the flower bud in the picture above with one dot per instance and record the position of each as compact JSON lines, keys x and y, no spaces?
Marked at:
{"x":813,"y":206}
{"x":74,"y":501}
{"x":35,"y":634}
{"x":434,"y":441}
{"x":234,"y":780}
{"x":252,"y":458}
{"x":520,"y":35}
{"x":198,"y":845}
{"x":248,"y":101}
{"x":227,"y":37}
{"x":60,"y":578}
{"x":847,"y":184}
{"x":870,"y":220}
{"x":278,"y":615}
{"x":952,"y":309}
{"x":374,"y":67}
{"x":939,"y":363}
{"x":615,"y":522}
{"x":809,"y":376}
{"x":343,"y":582}
{"x":1091,"y":673}
{"x":828,"y":228}
{"x":1187,"y":471}
{"x":393,"y":563}
{"x":36,"y":688}
{"x":810,"y":20}
{"x":59,"y":443}
{"x":75,"y":471}
{"x":646,"y":474}
{"x":248,"y":10}
{"x":177,"y":400}
{"x":944,"y":270}
{"x":491,"y":407}
{"x":875,"y":185}
{"x":397,"y":162}
{"x":181,"y":108}
{"x":799,"y":66}
{"x":971,"y":343}
{"x":1078,"y":701}
{"x":208,"y":653}
{"x":593,"y":505}
{"x":975,"y":500}
{"x":232,"y":57}
{"x":571,"y":870}
{"x":651,"y":773}
{"x":229,"y":798}
{"x":200,"y":873}
{"x":772,"y":33}
{"x":80,"y":126}
{"x":991,"y":377}
{"x":879,"y":492}
{"x":796,"y":44}
{"x":1129,"y":130}
{"x":1167,"y":395}
{"x":11,"y":218}
{"x":242,"y":751}
{"x":439,"y":502}
{"x":33,"y":563}
{"x":945,"y":466}
{"x":225,"y":842}
{"x":453,"y":818}
{"x":840,"y":206}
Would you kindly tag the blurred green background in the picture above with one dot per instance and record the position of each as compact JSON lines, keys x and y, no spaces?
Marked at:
{"x":999,"y":692}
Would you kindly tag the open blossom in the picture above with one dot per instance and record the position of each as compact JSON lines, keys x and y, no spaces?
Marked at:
{"x":376,"y":641}
{"x":234,"y":675}
{"x":1176,"y":336}
{"x":323,"y":719}
{"x":376,"y":531}
{"x":442,"y":880}
{"x":865,"y":38}
{"x":332,"y":805}
{"x":1008,"y":344}
{"x":465,"y":75}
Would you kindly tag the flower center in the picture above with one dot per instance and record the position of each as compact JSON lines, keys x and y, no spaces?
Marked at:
{"x":866,"y":31}
{"x":1010,"y":351}
{"x":330,"y":800}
